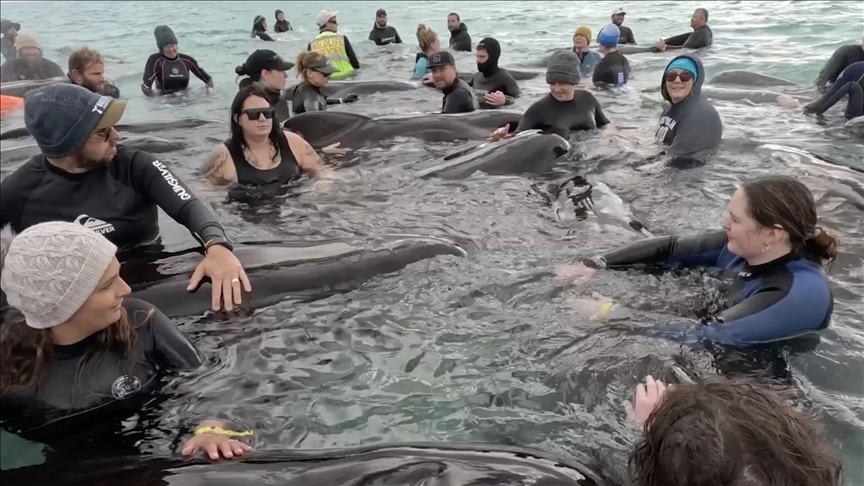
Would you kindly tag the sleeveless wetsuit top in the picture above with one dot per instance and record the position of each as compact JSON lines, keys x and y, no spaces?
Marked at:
{"x":287,"y":169}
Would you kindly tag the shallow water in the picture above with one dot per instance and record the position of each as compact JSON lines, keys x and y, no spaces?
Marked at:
{"x":489,"y":348}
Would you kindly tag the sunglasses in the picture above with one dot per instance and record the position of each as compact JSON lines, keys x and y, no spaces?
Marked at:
{"x":684,"y":76}
{"x":255,"y":113}
{"x":103,"y":133}
{"x":333,"y":21}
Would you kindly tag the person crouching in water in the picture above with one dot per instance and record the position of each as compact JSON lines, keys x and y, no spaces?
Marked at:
{"x":87,"y":69}
{"x":169,"y":68}
{"x":314,"y":71}
{"x":458,"y":96}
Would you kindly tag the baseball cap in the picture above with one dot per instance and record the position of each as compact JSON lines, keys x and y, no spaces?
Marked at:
{"x":324,"y":16}
{"x":619,"y":10}
{"x":380,"y":12}
{"x":323,"y":66}
{"x":265,"y":59}
{"x":441,"y":58}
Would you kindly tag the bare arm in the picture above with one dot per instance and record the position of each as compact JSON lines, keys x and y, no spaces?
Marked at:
{"x":306,"y":157}
{"x":218,"y":166}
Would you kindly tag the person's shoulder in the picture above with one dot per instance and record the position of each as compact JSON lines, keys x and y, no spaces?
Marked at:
{"x":135,"y":306}
{"x":185,"y":56}
{"x":154,"y":56}
{"x":30,"y":172}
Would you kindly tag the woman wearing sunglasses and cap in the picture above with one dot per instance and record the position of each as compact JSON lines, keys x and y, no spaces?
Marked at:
{"x":314,"y":71}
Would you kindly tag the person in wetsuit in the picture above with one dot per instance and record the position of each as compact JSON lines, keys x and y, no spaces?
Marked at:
{"x":699,"y":38}
{"x":429,"y":44}
{"x":460,"y":40}
{"x":383,"y":34}
{"x":773,"y":250}
{"x":169,"y":68}
{"x":614,"y":68}
{"x":268,"y":68}
{"x":84,"y":176}
{"x":314,"y":71}
{"x":10,"y":31}
{"x":258,"y":152}
{"x":690,"y":127}
{"x":334,"y":46}
{"x":850,"y":82}
{"x":87,"y":69}
{"x":458,"y":96}
{"x":259,"y":29}
{"x":565,"y":108}
{"x":842,"y":58}
{"x":626,"y":36}
{"x":30,"y":65}
{"x":493,"y":86}
{"x":281,"y":24}
{"x":588,"y":59}
{"x":77,"y":358}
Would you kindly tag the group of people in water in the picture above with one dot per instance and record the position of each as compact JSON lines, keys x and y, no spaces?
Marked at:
{"x":71,"y":327}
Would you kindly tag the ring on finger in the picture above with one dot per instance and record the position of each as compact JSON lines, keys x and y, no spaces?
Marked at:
{"x":235,"y":280}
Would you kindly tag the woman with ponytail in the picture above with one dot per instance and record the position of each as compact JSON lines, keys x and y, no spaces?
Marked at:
{"x":773,"y":249}
{"x":314,"y":70}
{"x":429,"y":44}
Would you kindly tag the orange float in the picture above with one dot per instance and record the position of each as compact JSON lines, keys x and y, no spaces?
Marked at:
{"x":9,"y":104}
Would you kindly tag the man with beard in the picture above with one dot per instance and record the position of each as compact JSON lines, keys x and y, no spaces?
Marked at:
{"x":493,"y":86}
{"x":626,"y":34}
{"x":459,"y":38}
{"x":29,"y":65}
{"x":458,"y":96}
{"x":383,"y":34}
{"x":87,"y":69}
{"x":84,"y":176}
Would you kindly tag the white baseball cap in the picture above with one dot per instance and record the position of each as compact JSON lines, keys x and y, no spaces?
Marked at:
{"x":619,"y":10}
{"x":324,"y":16}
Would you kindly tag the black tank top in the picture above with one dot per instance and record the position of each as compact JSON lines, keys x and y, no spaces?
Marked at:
{"x":287,"y":170}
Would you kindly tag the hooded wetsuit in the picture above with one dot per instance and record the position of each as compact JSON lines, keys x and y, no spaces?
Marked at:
{"x":382,"y":36}
{"x":281,"y":25}
{"x":490,"y":77}
{"x":613,"y":70}
{"x":172,"y":75}
{"x":778,"y":300}
{"x":247,"y":175}
{"x":691,"y":128}
{"x":840,"y":60}
{"x":850,"y":82}
{"x":583,"y":112}
{"x":118,"y":200}
{"x":460,"y":40}
{"x":459,"y":98}
{"x":85,"y":387}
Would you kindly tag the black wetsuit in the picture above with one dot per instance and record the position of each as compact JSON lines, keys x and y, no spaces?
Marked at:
{"x":20,"y":70}
{"x":583,"y":112}
{"x":699,"y":38}
{"x":172,"y":75}
{"x":459,"y":98}
{"x":80,"y":394}
{"x":501,"y":81}
{"x":850,"y":82}
{"x":382,"y":36}
{"x":262,"y":35}
{"x":626,"y":36}
{"x":247,"y":175}
{"x":282,"y":26}
{"x":460,"y":40}
{"x":307,"y":98}
{"x":118,"y":200}
{"x":840,"y":60}
{"x":613,"y":69}
{"x":7,"y":48}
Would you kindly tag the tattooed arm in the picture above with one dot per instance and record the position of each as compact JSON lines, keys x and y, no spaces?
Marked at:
{"x":306,"y":157}
{"x":218,"y":166}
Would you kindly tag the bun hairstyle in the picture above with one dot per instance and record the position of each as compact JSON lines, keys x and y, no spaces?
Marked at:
{"x":425,"y":36}
{"x":782,"y":201}
{"x":304,"y":59}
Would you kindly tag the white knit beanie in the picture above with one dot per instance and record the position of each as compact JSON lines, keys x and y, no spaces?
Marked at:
{"x":50,"y":270}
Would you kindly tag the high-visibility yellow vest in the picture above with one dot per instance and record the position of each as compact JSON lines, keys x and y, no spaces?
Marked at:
{"x":332,"y":45}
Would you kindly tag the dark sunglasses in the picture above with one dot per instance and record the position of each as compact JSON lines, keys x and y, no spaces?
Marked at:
{"x":255,"y":113}
{"x":103,"y":133}
{"x":684,"y":76}
{"x":333,"y":21}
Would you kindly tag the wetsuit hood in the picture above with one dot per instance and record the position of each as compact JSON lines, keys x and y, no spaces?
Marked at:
{"x":493,"y":47}
{"x":8,"y":24}
{"x":697,"y":83}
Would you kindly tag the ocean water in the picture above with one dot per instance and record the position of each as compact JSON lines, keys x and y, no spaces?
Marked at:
{"x":489,"y":349}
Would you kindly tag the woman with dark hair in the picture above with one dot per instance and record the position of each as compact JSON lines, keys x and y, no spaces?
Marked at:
{"x":281,"y":25}
{"x":259,"y":28}
{"x":271,"y":71}
{"x":258,"y":151}
{"x":76,"y":353}
{"x":314,"y":70}
{"x":770,"y":245}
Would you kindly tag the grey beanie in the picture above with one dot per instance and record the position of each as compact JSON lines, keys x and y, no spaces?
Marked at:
{"x":50,"y":270}
{"x":62,"y":117}
{"x":164,"y":36}
{"x":563,"y":68}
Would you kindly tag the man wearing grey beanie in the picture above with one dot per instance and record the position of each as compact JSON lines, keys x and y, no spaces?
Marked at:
{"x":565,"y":108}
{"x":84,"y":176}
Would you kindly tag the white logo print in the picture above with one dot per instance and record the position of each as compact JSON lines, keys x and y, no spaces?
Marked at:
{"x":125,"y":386}
{"x":436,"y":58}
{"x":102,"y":104}
{"x":172,"y":181}
{"x":94,"y":224}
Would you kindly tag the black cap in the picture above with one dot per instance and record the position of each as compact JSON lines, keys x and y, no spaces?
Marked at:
{"x":380,"y":12}
{"x":264,"y":59}
{"x":441,"y":58}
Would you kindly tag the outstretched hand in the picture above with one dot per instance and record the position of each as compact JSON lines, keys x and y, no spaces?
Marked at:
{"x":351,"y":98}
{"x":226,"y":274}
{"x":646,"y":399}
{"x":500,"y":134}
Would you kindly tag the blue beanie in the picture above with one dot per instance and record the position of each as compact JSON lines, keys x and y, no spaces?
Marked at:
{"x":686,"y":64}
{"x":608,"y":36}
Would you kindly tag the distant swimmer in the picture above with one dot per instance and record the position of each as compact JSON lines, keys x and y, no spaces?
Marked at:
{"x":588,"y":59}
{"x":565,"y":108}
{"x":383,"y":34}
{"x":169,"y":68}
{"x":314,"y":71}
{"x":458,"y":96}
{"x":429,"y":44}
{"x":493,"y":86}
{"x":258,"y":152}
{"x":460,"y":40}
{"x":10,"y":31}
{"x":690,"y":127}
{"x":87,"y":69}
{"x":259,"y":29}
{"x":614,"y":68}
{"x":626,"y":33}
{"x":850,"y":82}
{"x":840,"y":60}
{"x":281,"y":24}
{"x":268,"y":68}
{"x":30,"y":65}
{"x":699,"y":38}
{"x":334,"y":46}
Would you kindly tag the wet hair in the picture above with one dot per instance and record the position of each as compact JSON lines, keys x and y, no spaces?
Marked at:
{"x":425,"y":37}
{"x":703,"y":12}
{"x":83,"y":58}
{"x":458,"y":18}
{"x":780,"y":200}
{"x":237,"y":139}
{"x":303,"y":60}
{"x":720,"y":433}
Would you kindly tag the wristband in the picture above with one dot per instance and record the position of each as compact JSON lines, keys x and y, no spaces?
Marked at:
{"x":217,"y":241}
{"x":220,"y":431}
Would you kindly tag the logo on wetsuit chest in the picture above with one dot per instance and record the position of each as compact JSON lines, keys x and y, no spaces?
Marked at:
{"x":172,"y":181}
{"x":125,"y":386}
{"x":94,"y":224}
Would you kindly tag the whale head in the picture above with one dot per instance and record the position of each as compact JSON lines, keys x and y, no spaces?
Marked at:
{"x":323,"y":128}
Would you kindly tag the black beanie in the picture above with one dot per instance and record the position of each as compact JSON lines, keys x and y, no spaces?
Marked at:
{"x":164,"y":36}
{"x":277,"y":14}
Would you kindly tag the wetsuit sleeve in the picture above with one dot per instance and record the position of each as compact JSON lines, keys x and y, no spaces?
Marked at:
{"x":833,"y":67}
{"x":690,"y":251}
{"x":169,"y":347}
{"x":631,"y":39}
{"x":531,"y":118}
{"x":11,"y":202}
{"x":352,"y":58}
{"x":599,"y":117}
{"x":155,"y":180}
{"x":149,"y":71}
{"x":264,"y":36}
{"x":459,"y":101}
{"x":313,"y":104}
{"x":197,"y":70}
{"x":697,"y":40}
{"x":601,"y":73}
{"x":398,"y":39}
{"x":511,"y":88}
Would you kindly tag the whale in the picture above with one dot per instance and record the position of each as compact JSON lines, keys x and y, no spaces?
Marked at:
{"x":517,"y":74}
{"x":746,"y":78}
{"x":528,"y":151}
{"x":352,"y":130}
{"x":20,"y":88}
{"x":760,"y":96}
{"x":855,"y":126}
{"x":138,"y":128}
{"x":153,"y":145}
{"x":341,"y":89}
{"x":278,"y":270}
